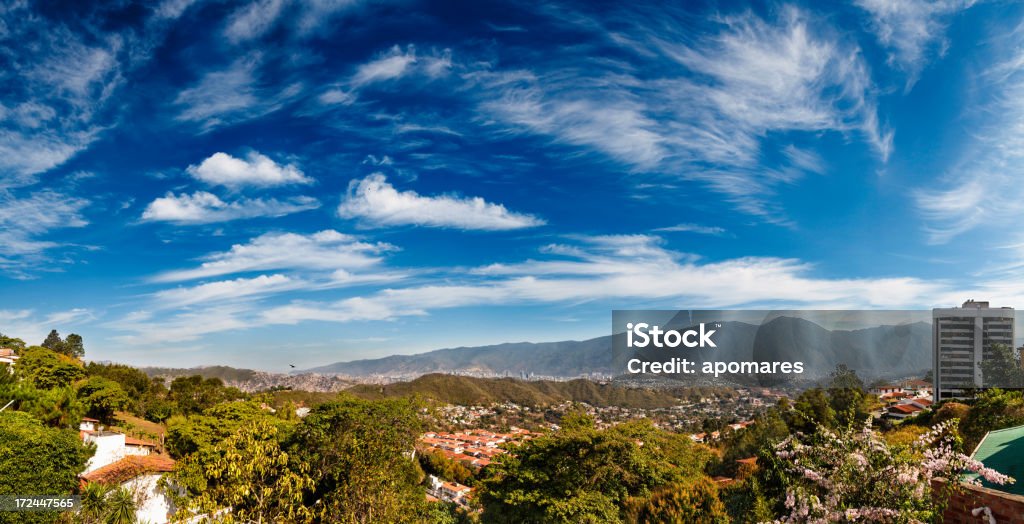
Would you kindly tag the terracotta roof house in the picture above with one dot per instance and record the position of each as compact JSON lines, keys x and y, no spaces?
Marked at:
{"x":131,"y":463}
{"x":129,"y":468}
{"x":903,"y":410}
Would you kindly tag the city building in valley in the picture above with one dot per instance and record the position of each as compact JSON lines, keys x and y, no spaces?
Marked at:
{"x":962,"y":337}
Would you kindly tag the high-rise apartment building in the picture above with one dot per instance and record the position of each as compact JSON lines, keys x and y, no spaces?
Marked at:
{"x":961,"y":339}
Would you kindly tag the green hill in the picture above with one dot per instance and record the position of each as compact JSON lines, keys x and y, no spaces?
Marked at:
{"x":461,"y":390}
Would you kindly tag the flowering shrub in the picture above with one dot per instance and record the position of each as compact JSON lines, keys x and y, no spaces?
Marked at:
{"x":854,"y":475}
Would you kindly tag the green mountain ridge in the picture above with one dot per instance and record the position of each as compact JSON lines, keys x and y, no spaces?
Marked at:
{"x":461,"y":390}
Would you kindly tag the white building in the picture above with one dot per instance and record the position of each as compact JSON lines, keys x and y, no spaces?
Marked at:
{"x":127,"y":462}
{"x":140,"y":474}
{"x":7,"y":356}
{"x":961,"y":338}
{"x":449,"y":491}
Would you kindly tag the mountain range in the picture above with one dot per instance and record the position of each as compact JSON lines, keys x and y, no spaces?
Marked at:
{"x":874,"y":352}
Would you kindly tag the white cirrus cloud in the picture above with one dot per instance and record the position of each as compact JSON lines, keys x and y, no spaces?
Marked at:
{"x":205,"y":208}
{"x":253,"y":20}
{"x":628,"y":269}
{"x":233,"y":94}
{"x":225,"y":290}
{"x":377,"y":202}
{"x":326,"y":250}
{"x":26,"y":222}
{"x":698,"y":105}
{"x":56,"y":82}
{"x":982,"y":186}
{"x":693,"y":228}
{"x":254,"y":170}
{"x":32,"y":327}
{"x":394,"y":64}
{"x":913,"y":30}
{"x":391,"y":65}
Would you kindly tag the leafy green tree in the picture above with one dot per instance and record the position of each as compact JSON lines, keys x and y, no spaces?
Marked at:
{"x":158,"y":410}
{"x":53,"y":341}
{"x":47,"y":369}
{"x":992,"y":409}
{"x":767,"y":430}
{"x":845,"y":378}
{"x":102,"y":397}
{"x":746,"y":503}
{"x":586,"y":475}
{"x":35,"y":459}
{"x":251,"y":474}
{"x":57,"y":407}
{"x":11,"y":342}
{"x":693,"y":500}
{"x":141,"y":389}
{"x":360,"y":457}
{"x":437,"y":463}
{"x":201,"y":433}
{"x":194,"y":394}
{"x":73,"y":346}
{"x":1001,"y":368}
{"x":811,"y":408}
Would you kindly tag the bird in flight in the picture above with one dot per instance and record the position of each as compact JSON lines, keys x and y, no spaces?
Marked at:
{"x":292,"y":365}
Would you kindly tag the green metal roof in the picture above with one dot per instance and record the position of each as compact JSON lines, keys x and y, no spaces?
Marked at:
{"x":1003,"y":451}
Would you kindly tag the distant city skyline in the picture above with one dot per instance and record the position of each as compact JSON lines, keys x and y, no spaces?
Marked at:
{"x":261,"y":184}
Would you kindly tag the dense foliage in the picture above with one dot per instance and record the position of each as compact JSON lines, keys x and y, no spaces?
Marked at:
{"x":37,"y":460}
{"x":582,"y":474}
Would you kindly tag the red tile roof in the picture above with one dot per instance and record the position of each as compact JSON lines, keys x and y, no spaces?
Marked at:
{"x":905,"y":408}
{"x":129,"y":468}
{"x":130,"y":441}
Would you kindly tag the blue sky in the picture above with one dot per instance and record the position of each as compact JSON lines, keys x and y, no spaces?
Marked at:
{"x":275,"y":182}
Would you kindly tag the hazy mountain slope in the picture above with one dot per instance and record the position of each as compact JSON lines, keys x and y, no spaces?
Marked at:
{"x":570,"y":358}
{"x":253,"y":380}
{"x":462,"y":390}
{"x":881,"y":351}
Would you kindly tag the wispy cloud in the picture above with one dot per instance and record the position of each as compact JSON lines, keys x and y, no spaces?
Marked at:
{"x":627,"y":269}
{"x":376,"y":202}
{"x":325,"y":250}
{"x":804,"y":159}
{"x":232,"y":95}
{"x":254,"y":170}
{"x":239,"y":288}
{"x":913,"y":30}
{"x":183,"y":326}
{"x":25,"y":223}
{"x":57,"y":82}
{"x":253,"y":20}
{"x":983,"y":185}
{"x":32,"y":326}
{"x":393,"y":64}
{"x":694,"y":228}
{"x":205,"y":208}
{"x":706,"y":113}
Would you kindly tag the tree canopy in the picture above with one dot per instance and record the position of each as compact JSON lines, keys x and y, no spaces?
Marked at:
{"x":37,"y":460}
{"x":583,"y":474}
